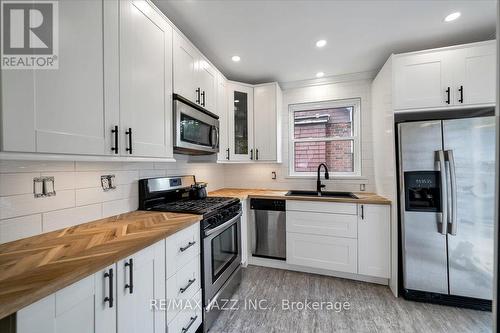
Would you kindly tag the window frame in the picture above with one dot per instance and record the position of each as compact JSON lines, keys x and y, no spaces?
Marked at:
{"x":355,"y":103}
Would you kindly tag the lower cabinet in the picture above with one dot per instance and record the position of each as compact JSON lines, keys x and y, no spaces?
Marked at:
{"x":342,"y":237}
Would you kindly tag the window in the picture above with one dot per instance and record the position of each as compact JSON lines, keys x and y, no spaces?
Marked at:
{"x":325,"y":132}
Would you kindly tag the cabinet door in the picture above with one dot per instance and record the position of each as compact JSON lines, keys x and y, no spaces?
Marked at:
{"x":185,"y":66}
{"x":421,"y":80}
{"x":207,"y":80}
{"x":68,"y":310}
{"x":141,"y":278}
{"x":240,"y":118}
{"x":374,"y":243}
{"x":105,"y":300}
{"x":476,"y":75}
{"x":221,"y":111}
{"x":145,"y":81}
{"x":266,"y":122}
{"x":65,"y":110}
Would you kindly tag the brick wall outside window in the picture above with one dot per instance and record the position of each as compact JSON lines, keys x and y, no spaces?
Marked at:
{"x":337,"y":155}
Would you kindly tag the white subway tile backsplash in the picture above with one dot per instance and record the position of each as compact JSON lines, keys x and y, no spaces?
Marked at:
{"x":69,"y":217}
{"x":20,"y":227}
{"x":26,"y":204}
{"x":116,"y":207}
{"x":16,"y":183}
{"x":93,"y":195}
{"x":151,"y":173}
{"x":62,"y":180}
{"x":7,"y":166}
{"x":97,"y":166}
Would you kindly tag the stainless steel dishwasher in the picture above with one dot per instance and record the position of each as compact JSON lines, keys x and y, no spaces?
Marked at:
{"x":268,"y":228}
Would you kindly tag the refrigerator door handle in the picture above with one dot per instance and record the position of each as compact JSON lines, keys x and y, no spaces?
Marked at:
{"x":453,"y":192}
{"x":444,"y":192}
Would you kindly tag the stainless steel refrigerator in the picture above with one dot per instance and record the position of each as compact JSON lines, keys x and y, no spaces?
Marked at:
{"x":447,"y":202}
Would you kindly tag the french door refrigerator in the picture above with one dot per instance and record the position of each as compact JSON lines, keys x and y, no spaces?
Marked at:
{"x":447,"y":200}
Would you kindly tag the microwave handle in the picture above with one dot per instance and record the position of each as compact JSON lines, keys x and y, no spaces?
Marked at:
{"x":214,"y":142}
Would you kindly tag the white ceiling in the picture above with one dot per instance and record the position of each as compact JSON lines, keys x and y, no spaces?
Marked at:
{"x":276,"y":39}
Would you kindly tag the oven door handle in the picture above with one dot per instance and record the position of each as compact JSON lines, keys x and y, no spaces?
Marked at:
{"x":224,"y":225}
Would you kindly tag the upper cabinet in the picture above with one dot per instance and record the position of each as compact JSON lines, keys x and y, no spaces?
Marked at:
{"x":69,"y":109}
{"x":240,"y":122}
{"x":145,"y":81}
{"x":461,"y":76}
{"x":221,"y":111}
{"x":267,"y":122}
{"x":194,"y":78}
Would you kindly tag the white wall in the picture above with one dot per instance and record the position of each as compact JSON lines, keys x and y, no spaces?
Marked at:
{"x":259,"y":175}
{"x":79,"y":196}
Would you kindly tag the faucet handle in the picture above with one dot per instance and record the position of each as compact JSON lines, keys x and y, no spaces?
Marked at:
{"x":322,"y":185}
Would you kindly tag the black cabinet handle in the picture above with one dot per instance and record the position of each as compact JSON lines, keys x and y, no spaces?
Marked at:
{"x":129,"y":133}
{"x":251,"y":154}
{"x":227,"y":156}
{"x":461,"y":91}
{"x":191,"y":322}
{"x":448,"y":95}
{"x":190,"y":282}
{"x":256,"y":154}
{"x":184,"y":248}
{"x":130,"y":285}
{"x":203,"y":98}
{"x":198,"y":91}
{"x":109,"y":298}
{"x":362,"y":212}
{"x":115,"y":132}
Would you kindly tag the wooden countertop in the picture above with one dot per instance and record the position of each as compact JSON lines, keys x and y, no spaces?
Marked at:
{"x":242,"y":194}
{"x":35,"y":267}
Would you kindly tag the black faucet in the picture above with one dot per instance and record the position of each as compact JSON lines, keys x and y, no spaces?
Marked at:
{"x":319,"y":186}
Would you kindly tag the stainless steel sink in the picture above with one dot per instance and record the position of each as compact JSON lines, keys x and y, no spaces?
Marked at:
{"x":330,"y":194}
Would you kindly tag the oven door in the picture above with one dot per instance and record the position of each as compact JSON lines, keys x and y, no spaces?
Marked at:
{"x":195,"y":131}
{"x":222,"y":255}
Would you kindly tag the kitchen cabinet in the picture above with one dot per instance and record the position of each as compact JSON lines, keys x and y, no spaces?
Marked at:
{"x":459,"y":76}
{"x":71,"y":109}
{"x":194,"y":77}
{"x":254,"y":122}
{"x":267,"y":122}
{"x":115,"y":299}
{"x":341,"y":237}
{"x":145,"y":81}
{"x":240,"y":122}
{"x":140,"y":279}
{"x":221,"y":111}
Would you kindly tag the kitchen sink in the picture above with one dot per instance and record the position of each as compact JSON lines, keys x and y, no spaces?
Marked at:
{"x":330,"y":194}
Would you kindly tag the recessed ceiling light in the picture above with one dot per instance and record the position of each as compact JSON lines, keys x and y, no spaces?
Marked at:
{"x":320,"y":74}
{"x":452,"y":17}
{"x":235,"y":58}
{"x":321,"y":43}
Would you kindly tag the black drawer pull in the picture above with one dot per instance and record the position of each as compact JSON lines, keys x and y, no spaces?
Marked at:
{"x":109,"y":298}
{"x":203,"y":98}
{"x":130,"y":285}
{"x":256,"y":154}
{"x":190,"y":282}
{"x":115,"y":132}
{"x":129,"y":133}
{"x":191,"y":322}
{"x":461,"y":90}
{"x":448,"y":95}
{"x":227,"y":156}
{"x":187,"y":246}
{"x":198,"y":92}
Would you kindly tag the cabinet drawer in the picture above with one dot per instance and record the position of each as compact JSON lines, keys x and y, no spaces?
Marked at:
{"x":323,"y":224}
{"x":325,"y":252}
{"x":322,"y":207}
{"x":188,"y":279}
{"x":192,"y":313}
{"x":181,"y":247}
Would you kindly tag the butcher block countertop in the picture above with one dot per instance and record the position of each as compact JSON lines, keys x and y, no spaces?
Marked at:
{"x":242,"y":194}
{"x":35,"y":267}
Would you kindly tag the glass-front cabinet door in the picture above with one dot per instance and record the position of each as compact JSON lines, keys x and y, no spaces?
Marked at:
{"x":240,"y":117}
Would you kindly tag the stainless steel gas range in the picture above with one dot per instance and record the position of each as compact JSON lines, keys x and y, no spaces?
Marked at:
{"x":220,"y":233}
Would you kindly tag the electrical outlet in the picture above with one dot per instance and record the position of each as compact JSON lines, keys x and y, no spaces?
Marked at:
{"x":108,"y":182}
{"x":273,"y":175}
{"x":43,"y":187}
{"x":362,"y":187}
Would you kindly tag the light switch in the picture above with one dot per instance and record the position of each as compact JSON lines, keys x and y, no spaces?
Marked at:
{"x":112,"y":182}
{"x":38,"y":187}
{"x":48,"y":186}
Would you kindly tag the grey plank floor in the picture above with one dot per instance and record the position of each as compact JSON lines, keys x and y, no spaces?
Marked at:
{"x":373,"y":308}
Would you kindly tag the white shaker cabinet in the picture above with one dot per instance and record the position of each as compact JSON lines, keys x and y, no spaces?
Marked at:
{"x":185,"y":59}
{"x":140,"y":279}
{"x":221,"y":111}
{"x":207,"y":80}
{"x":452,"y":77}
{"x":70,"y":109}
{"x":105,"y":300}
{"x":145,"y":81}
{"x":267,"y":122}
{"x":374,"y":242}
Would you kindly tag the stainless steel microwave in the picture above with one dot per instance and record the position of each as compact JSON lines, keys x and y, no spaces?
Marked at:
{"x":196,"y":130}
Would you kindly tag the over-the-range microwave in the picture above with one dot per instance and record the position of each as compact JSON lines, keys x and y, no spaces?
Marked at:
{"x":196,"y":130}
